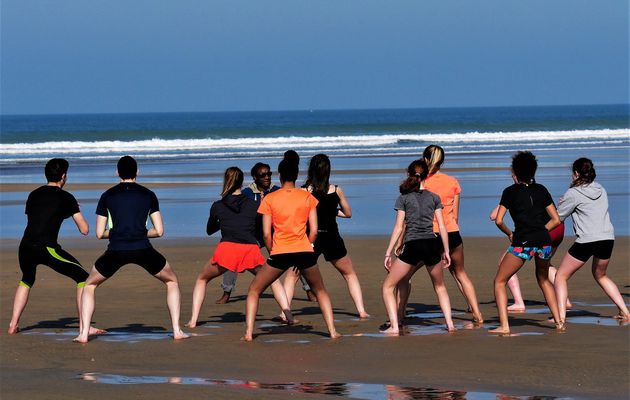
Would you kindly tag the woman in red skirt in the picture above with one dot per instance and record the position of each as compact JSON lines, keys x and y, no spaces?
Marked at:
{"x":238,"y":250}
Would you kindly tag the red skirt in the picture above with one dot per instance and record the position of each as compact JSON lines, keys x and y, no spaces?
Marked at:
{"x":237,"y":257}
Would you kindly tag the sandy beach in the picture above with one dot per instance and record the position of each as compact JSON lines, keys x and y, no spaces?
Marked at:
{"x":590,"y":360}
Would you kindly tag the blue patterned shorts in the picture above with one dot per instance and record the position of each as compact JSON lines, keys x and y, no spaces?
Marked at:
{"x":527,"y":253}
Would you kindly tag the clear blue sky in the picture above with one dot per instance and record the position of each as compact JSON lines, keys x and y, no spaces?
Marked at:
{"x":83,"y":56}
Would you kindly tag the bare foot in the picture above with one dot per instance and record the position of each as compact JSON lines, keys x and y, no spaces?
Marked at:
{"x":478,"y":319}
{"x":180,"y":335}
{"x":561,"y":326}
{"x":96,"y":331}
{"x":516,"y":308}
{"x":80,"y":339}
{"x":247,"y":338}
{"x":191,"y":324}
{"x":391,"y":331}
{"x":451,"y":328}
{"x":335,"y":335}
{"x":223,"y":299}
{"x":621,"y":316}
{"x":500,"y":331}
{"x":364,"y":315}
{"x":13,"y":329}
{"x":568,"y":306}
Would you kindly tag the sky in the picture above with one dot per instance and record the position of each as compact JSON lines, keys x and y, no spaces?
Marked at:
{"x":114,"y":56}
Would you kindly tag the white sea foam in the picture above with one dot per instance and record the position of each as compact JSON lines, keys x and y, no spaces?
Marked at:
{"x":240,"y":147}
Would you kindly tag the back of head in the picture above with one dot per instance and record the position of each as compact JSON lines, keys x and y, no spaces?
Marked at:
{"x":524,"y":166}
{"x":417,"y":171}
{"x":55,"y":169}
{"x":232,"y":180}
{"x":585,"y":171}
{"x":434,"y":157}
{"x":257,"y":167}
{"x":293,"y":156}
{"x":127,"y":167}
{"x":319,"y":173}
{"x":288,"y":169}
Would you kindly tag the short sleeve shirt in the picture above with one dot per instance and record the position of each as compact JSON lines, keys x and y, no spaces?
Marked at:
{"x":289,"y":210}
{"x":127,"y":207}
{"x":419,"y":208}
{"x":527,"y":206}
{"x":447,"y":188}
{"x":46,"y":208}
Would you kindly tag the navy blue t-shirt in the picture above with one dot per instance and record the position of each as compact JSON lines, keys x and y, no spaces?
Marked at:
{"x":127,"y":207}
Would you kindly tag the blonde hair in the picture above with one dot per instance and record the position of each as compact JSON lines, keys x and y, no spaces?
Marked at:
{"x":232,"y":180}
{"x":434,"y":157}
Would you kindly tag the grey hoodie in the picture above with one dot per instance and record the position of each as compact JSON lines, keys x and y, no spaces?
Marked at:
{"x":588,"y":206}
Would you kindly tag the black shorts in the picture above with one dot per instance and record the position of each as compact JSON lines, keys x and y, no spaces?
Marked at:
{"x":30,"y":256}
{"x":601,"y":249}
{"x":428,"y":251}
{"x":454,"y":240}
{"x":112,"y":260}
{"x":302,"y":260}
{"x":330,"y":245}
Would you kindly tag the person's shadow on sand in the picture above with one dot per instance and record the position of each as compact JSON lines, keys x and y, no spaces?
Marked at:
{"x":61,"y":323}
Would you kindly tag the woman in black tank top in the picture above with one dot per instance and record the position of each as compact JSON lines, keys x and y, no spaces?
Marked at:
{"x":332,"y":205}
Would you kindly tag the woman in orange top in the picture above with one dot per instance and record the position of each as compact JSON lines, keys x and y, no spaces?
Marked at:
{"x":448,"y":189}
{"x":288,"y":209}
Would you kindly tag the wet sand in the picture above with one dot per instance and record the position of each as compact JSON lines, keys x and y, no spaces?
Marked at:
{"x":590,"y":360}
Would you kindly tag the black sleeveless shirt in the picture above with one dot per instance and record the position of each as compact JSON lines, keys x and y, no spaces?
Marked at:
{"x":327,"y":211}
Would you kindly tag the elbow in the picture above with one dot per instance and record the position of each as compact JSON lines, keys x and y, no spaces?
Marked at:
{"x":100,"y":235}
{"x":159,"y":232}
{"x":348,"y":214}
{"x":85,"y":231}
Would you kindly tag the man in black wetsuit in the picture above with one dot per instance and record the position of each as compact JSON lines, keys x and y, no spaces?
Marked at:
{"x":122,"y":218}
{"x":46,"y":208}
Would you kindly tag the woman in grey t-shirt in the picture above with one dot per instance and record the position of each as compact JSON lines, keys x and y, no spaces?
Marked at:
{"x":415,"y":209}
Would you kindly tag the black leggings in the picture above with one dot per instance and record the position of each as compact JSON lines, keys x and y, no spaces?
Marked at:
{"x":30,"y":256}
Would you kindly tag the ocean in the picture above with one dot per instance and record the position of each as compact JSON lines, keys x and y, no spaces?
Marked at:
{"x":182,"y":156}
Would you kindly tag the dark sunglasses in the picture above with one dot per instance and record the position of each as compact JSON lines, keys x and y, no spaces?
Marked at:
{"x":268,"y":174}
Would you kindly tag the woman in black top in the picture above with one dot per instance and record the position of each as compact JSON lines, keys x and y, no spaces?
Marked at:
{"x":534,"y":214}
{"x":332,"y":205}
{"x":238,"y":251}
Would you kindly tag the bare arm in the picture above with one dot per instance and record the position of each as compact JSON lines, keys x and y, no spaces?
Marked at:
{"x":493,"y":213}
{"x":499,"y":221}
{"x":444,"y":237}
{"x":345,"y":210}
{"x":101,"y":227}
{"x":394,"y":238}
{"x":81,"y":223}
{"x":158,"y":225}
{"x":555,"y":218}
{"x":312,"y":225}
{"x":267,"y":238}
{"x":456,"y":208}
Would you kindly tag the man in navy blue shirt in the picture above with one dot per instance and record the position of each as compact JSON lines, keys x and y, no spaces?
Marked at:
{"x":122,"y":217}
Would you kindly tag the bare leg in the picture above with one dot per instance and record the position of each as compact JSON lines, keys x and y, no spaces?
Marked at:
{"x":510,"y":264}
{"x":515,"y":287}
{"x":344,"y":266}
{"x":436,"y":274}
{"x":93,"y":330}
{"x":281,"y":298}
{"x":542,"y":276}
{"x":609,"y":287}
{"x":265,"y":276}
{"x":403,"y":291}
{"x":168,"y":277}
{"x":552,"y":277}
{"x":568,"y":266}
{"x":19,"y":304}
{"x":315,"y":281}
{"x":464,"y":282}
{"x":398,"y":271}
{"x":208,"y":273}
{"x":290,"y":279}
{"x":87,"y":304}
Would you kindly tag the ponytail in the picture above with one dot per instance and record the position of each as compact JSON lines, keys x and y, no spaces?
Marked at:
{"x":417,"y":172}
{"x":585,"y":170}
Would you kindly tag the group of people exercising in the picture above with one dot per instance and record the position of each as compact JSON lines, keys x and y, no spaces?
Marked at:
{"x":298,"y":224}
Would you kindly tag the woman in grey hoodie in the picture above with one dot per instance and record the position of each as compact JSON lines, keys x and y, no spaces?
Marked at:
{"x":586,"y":202}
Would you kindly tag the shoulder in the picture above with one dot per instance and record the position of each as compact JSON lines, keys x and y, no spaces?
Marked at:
{"x":247,"y":191}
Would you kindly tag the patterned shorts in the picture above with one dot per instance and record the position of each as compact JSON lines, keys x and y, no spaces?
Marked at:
{"x":527,"y":253}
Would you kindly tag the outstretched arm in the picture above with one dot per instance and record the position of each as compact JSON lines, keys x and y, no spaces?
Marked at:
{"x":81,"y":223}
{"x":345,"y":211}
{"x":158,"y":225}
